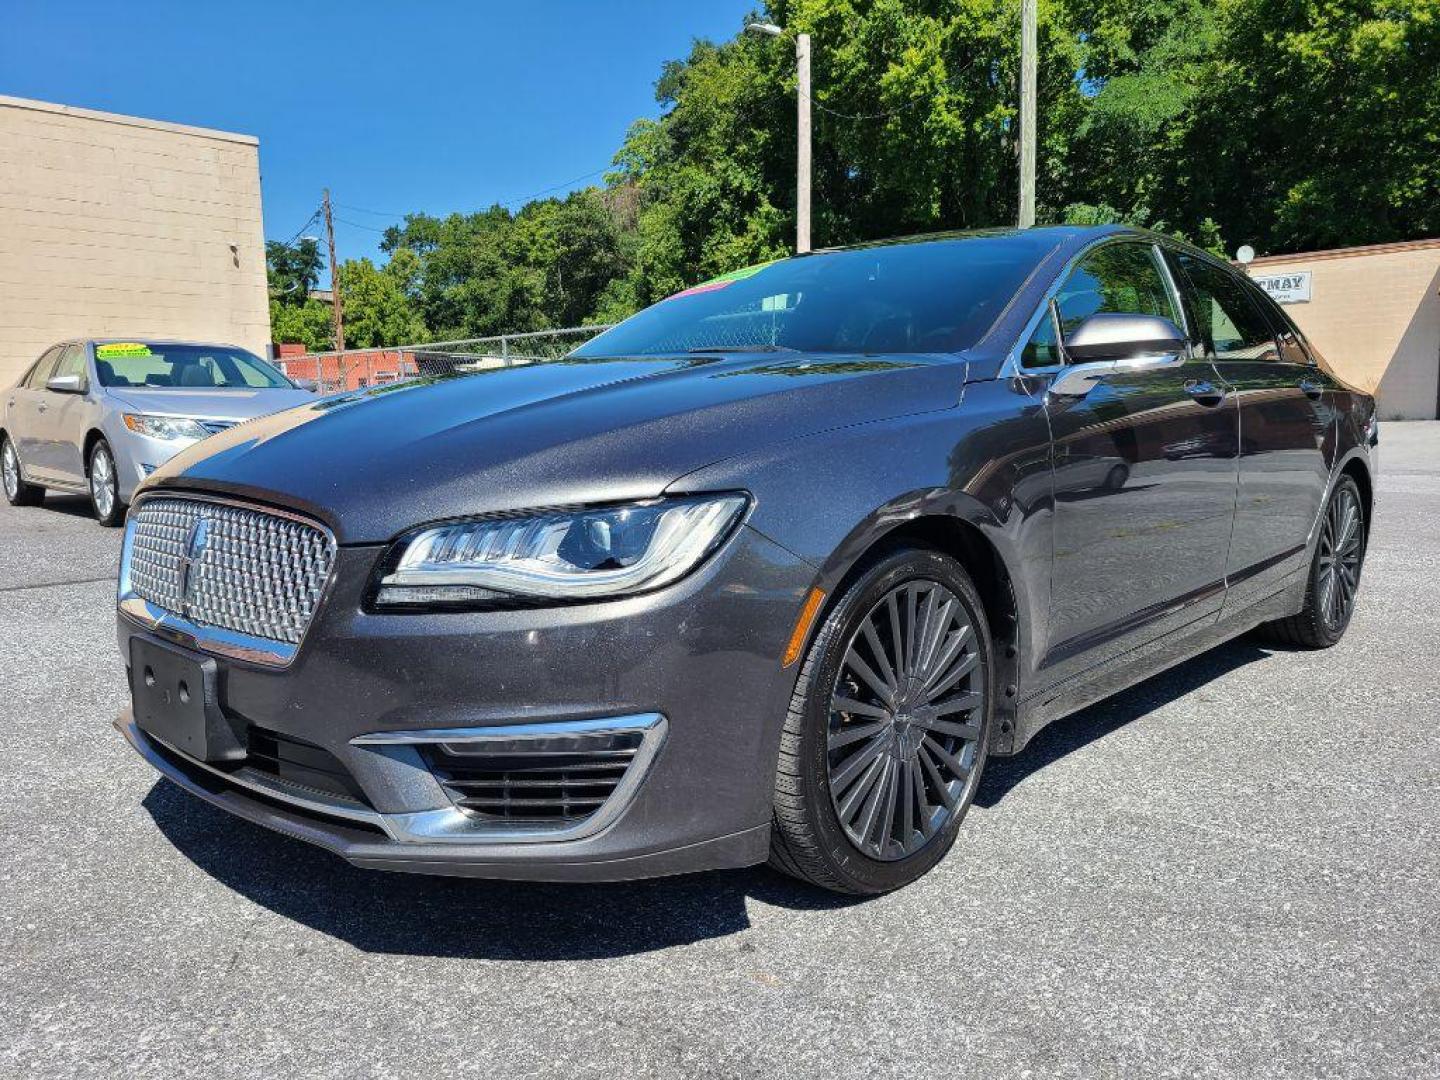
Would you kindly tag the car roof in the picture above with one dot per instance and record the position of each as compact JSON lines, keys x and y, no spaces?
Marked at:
{"x":1068,"y":234}
{"x":147,"y":339}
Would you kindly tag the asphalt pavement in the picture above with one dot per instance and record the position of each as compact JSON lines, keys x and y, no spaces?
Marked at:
{"x":1229,"y":871}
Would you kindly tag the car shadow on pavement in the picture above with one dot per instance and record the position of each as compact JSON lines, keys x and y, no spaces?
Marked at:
{"x":1078,"y":730}
{"x":382,"y":912}
{"x":74,"y":505}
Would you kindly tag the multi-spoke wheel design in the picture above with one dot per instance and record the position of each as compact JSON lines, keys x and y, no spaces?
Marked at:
{"x":104,"y":489}
{"x":1334,"y":578}
{"x":10,"y":465}
{"x":1341,"y":549}
{"x":904,"y":720}
{"x":17,"y":491}
{"x":885,"y":738}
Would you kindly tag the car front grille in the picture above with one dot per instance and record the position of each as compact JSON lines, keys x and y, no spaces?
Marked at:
{"x":233,"y":567}
{"x":562,"y":782}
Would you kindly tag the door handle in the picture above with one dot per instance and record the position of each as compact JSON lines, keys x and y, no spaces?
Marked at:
{"x":1206,"y":393}
{"x":1312,"y":388}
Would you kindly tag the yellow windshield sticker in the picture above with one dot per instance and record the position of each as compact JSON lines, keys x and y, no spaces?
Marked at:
{"x":121,"y":348}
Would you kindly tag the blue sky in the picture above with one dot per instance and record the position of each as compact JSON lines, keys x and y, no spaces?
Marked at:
{"x":433,"y":106}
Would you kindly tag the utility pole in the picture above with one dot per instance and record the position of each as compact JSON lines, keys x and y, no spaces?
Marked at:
{"x":802,"y":152}
{"x":336,"y":308}
{"x":1027,"y":113}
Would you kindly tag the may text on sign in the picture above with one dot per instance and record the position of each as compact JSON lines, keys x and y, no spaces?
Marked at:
{"x":1291,"y":288}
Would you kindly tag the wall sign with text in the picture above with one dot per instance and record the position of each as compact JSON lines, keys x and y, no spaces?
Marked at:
{"x":1292,"y":288}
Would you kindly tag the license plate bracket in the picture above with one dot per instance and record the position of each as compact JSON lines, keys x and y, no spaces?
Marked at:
{"x":175,"y":697}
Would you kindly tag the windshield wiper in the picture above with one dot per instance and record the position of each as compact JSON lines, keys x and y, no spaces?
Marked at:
{"x":741,"y":348}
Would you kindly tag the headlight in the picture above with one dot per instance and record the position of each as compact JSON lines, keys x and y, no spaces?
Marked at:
{"x":169,"y":428}
{"x":558,"y":555}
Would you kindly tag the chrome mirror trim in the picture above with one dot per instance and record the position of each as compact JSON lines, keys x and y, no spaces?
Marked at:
{"x":1077,"y":380}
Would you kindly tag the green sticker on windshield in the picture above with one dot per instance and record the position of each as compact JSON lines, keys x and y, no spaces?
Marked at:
{"x":724,"y":279}
{"x":121,"y":348}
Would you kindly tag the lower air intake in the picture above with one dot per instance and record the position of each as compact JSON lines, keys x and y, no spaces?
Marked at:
{"x":562,"y":780}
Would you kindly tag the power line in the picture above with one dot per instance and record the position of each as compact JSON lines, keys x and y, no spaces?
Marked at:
{"x":308,"y":222}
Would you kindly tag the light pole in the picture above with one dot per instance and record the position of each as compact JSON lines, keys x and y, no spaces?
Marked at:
{"x":1027,"y":114}
{"x":802,"y":128}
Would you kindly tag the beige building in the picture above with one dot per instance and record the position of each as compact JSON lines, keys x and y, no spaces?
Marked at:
{"x":117,"y":225}
{"x":1374,"y":314}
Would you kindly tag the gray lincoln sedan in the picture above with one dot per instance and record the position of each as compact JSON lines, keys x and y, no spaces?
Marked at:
{"x":765,"y":572}
{"x":100,"y":416}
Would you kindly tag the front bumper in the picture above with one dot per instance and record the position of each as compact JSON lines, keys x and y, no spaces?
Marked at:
{"x":703,"y":655}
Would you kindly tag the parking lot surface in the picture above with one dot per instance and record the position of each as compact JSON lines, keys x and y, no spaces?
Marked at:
{"x":1227,"y":871}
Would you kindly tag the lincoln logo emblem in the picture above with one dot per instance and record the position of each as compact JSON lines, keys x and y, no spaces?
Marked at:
{"x":190,"y":560}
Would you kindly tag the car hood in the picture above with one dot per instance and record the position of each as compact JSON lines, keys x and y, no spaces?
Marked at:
{"x":208,"y":404}
{"x":376,"y":462}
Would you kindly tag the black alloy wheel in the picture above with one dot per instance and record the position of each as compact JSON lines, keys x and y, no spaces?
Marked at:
{"x":886,"y":736}
{"x":1334,"y":581}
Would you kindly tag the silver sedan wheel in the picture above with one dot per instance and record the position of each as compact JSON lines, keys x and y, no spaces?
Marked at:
{"x":905,"y":719}
{"x":10,"y":466}
{"x":102,"y":482}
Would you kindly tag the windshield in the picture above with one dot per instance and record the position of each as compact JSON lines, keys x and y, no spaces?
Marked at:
{"x":928,"y":296}
{"x":162,"y":366}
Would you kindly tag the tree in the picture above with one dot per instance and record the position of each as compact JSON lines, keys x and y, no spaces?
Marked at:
{"x":377,"y":311}
{"x":309,"y":323}
{"x":293,"y":270}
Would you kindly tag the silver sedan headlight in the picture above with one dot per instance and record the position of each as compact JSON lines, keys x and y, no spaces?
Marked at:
{"x":165,"y":428}
{"x":559,"y":556}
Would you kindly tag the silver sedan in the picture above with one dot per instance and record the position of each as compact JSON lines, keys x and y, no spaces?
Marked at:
{"x":98,"y":416}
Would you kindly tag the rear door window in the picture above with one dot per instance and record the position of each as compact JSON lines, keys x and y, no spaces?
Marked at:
{"x":1228,"y":322}
{"x":40,"y":373}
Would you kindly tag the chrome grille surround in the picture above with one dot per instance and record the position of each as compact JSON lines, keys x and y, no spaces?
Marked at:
{"x":224,"y":576}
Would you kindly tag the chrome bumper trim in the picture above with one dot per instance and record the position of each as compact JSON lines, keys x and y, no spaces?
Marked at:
{"x":444,"y":825}
{"x":453,"y":824}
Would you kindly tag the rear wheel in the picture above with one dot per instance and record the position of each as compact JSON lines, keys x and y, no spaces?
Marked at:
{"x":1334,"y":575}
{"x":17,"y":491}
{"x":887,"y":730}
{"x":104,"y":486}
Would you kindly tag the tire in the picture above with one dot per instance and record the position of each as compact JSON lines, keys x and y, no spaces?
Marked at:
{"x":1323,"y":620}
{"x":816,"y":813}
{"x":17,"y":491}
{"x":104,"y":487}
{"x":1116,"y":477}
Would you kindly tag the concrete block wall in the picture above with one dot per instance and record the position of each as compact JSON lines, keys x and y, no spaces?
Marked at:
{"x":1374,"y":314}
{"x":116,"y":225}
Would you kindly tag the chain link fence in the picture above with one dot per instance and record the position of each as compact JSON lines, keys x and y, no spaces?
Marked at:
{"x":354,"y":369}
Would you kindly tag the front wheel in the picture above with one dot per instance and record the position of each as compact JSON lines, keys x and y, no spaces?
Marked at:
{"x":17,"y":491}
{"x":1334,"y":575}
{"x":887,"y":729}
{"x":104,"y":486}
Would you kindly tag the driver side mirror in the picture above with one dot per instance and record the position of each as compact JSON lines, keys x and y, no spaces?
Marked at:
{"x":66,"y":384}
{"x":1110,"y":342}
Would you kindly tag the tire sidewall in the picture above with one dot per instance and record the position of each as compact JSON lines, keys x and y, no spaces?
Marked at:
{"x":116,"y":509}
{"x":7,"y":450}
{"x":1332,"y":635}
{"x":860,"y":872}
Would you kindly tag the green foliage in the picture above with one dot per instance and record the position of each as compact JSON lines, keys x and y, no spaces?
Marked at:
{"x":293,"y":270}
{"x":377,"y":312}
{"x":309,"y":323}
{"x":1286,"y":124}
